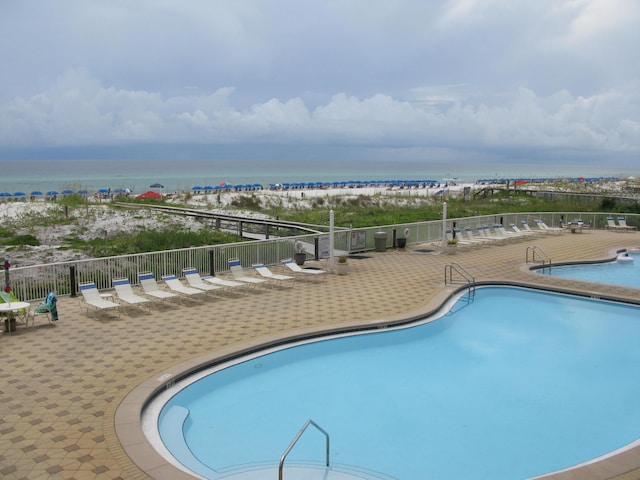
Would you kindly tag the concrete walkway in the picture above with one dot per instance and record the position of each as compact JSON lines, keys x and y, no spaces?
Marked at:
{"x":61,"y":385}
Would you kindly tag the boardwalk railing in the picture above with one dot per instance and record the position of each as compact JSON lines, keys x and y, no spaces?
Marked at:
{"x":34,"y":282}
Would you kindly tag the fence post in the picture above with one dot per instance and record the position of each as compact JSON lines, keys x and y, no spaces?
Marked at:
{"x":212,"y":258}
{"x":74,"y":281}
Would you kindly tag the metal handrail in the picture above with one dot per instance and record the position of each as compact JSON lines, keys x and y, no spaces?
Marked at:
{"x":295,"y":440}
{"x":470,"y":279}
{"x":541,"y":253}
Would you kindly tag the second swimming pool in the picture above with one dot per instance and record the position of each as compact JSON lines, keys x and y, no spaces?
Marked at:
{"x":615,"y":272}
{"x":516,"y":384}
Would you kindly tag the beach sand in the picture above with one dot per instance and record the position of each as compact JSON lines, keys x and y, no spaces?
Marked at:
{"x":100,"y":218}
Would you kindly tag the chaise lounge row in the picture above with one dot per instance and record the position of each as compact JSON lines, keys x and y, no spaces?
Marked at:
{"x":94,"y":301}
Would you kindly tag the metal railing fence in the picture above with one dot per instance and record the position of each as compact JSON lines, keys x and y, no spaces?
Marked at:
{"x":34,"y":282}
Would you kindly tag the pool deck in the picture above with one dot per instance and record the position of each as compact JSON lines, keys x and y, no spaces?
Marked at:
{"x":66,"y":389}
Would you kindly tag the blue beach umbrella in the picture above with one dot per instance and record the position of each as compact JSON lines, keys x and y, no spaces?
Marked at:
{"x":19,"y":194}
{"x":103,"y":190}
{"x":36,"y":192}
{"x":83,"y":192}
{"x":52,"y":192}
{"x":208,"y":187}
{"x":196,"y":187}
{"x":67,"y":192}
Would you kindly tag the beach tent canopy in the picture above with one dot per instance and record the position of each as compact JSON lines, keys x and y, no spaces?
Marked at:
{"x":150,"y":194}
{"x":156,"y":185}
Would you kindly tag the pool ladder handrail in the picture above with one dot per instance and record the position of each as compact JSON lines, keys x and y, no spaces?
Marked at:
{"x":541,"y":253}
{"x":470,"y":279}
{"x":295,"y":440}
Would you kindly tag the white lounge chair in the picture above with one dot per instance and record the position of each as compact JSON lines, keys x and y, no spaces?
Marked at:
{"x":622,"y":223}
{"x":544,"y":227}
{"x":151,"y":288}
{"x":524,"y":233}
{"x":304,"y":273}
{"x":224,"y":283}
{"x":499,"y":229}
{"x":93,"y":301}
{"x":466,"y":241}
{"x":238,"y":274}
{"x":125,"y":293}
{"x":484,"y":232}
{"x":279,"y":279}
{"x":612,"y":225}
{"x":177,"y":286}
{"x":195,"y":280}
{"x":468,"y":233}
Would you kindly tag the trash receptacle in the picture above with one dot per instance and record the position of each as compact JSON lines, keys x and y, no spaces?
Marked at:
{"x":381,"y":241}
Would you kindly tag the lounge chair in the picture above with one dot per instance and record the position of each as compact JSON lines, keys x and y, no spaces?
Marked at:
{"x":612,"y":225}
{"x":544,"y":227}
{"x":499,"y":229}
{"x":176,"y":285}
{"x":48,"y":308}
{"x":93,"y":300}
{"x":224,"y":283}
{"x":151,"y":288}
{"x":278,"y":278}
{"x":238,"y":274}
{"x":304,"y":273}
{"x":524,"y":233}
{"x":466,"y":241}
{"x":468,"y":233}
{"x":622,"y":223}
{"x":195,"y":280}
{"x":125,"y":293}
{"x":484,"y":232}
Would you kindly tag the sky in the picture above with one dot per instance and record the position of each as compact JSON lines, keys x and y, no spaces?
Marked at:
{"x":545,"y":81}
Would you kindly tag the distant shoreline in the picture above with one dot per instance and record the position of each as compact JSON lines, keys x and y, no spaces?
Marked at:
{"x":397,"y":185}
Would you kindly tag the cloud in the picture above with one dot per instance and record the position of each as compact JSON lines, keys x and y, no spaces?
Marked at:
{"x":78,"y":110}
{"x":403,"y":75}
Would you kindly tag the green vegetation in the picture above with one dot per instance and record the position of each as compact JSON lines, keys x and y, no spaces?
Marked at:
{"x":377,"y":210}
{"x":349,"y":210}
{"x":148,"y":241}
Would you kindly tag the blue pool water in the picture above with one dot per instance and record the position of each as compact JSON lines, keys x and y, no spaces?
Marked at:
{"x":516,"y":384}
{"x":616,"y":272}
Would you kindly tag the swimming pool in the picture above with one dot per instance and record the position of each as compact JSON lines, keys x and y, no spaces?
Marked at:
{"x":615,"y":272}
{"x":516,"y":384}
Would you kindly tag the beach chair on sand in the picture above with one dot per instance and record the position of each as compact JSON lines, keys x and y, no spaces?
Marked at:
{"x":176,"y":285}
{"x":125,"y":293}
{"x":48,"y":308}
{"x":238,"y":274}
{"x":304,"y":273}
{"x":196,"y":281}
{"x":151,"y":288}
{"x":276,"y":277}
{"x":94,"y":302}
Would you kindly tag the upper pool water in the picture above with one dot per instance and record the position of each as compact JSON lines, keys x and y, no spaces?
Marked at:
{"x":515,"y":384}
{"x":616,"y":272}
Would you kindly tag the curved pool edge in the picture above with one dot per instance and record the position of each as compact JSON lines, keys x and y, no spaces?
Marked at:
{"x":135,"y":444}
{"x":127,"y":417}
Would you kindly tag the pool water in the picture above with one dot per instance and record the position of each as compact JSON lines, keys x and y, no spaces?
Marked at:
{"x":616,"y":272}
{"x":515,"y":384}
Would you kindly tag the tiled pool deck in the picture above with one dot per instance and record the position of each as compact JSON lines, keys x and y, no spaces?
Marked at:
{"x":61,"y":386}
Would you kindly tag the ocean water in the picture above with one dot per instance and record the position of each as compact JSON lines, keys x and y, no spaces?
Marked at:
{"x":180,"y":175}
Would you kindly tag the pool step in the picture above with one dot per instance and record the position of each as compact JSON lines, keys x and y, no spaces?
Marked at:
{"x":305,"y":472}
